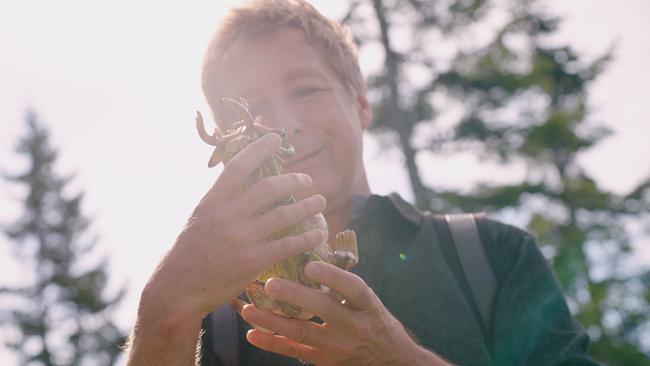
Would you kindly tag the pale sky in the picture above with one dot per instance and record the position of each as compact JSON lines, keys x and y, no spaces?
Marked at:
{"x":118,"y":84}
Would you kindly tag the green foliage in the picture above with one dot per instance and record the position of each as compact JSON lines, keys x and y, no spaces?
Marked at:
{"x":523,"y":101}
{"x":60,"y":315}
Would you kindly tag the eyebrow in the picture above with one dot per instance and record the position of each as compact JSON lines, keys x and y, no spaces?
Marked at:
{"x":304,"y":73}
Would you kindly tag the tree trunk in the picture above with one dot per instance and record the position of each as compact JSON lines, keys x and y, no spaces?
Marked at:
{"x":398,"y":118}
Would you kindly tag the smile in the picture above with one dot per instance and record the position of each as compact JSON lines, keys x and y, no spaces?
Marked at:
{"x":308,"y":156}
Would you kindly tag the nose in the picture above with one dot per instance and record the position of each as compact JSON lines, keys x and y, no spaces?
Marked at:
{"x":280,"y":115}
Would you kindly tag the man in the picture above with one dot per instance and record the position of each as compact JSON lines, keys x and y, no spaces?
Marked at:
{"x":405,"y":304}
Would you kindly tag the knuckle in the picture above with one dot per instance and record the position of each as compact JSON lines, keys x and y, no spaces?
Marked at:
{"x":299,"y":334}
{"x":301,"y":241}
{"x":292,"y":245}
{"x":283,"y":215}
{"x":293,"y":292}
{"x":267,"y":186}
{"x":316,"y":203}
{"x":311,"y":239}
{"x":277,"y":186}
{"x":359,"y":282}
{"x":306,"y":208}
{"x":292,"y":350}
{"x":328,"y":308}
{"x":278,"y":250}
{"x":358,"y":292}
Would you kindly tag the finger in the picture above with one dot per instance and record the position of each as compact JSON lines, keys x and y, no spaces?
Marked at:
{"x":274,"y":251}
{"x":313,"y":301}
{"x":246,"y":161}
{"x":301,"y":331}
{"x":286,"y":216}
{"x":284,"y":346}
{"x":354,"y":289}
{"x":270,"y":189}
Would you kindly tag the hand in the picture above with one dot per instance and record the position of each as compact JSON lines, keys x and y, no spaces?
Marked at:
{"x":223,"y":246}
{"x":221,"y":250}
{"x":358,"y":331}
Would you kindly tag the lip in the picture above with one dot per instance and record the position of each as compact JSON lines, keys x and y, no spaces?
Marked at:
{"x":292,"y":163}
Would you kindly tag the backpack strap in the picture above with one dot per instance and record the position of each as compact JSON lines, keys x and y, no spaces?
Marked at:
{"x":224,"y":335}
{"x":474,"y":261}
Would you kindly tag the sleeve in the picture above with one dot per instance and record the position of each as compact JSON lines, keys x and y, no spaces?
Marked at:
{"x":531,"y":322}
{"x":208,"y":358}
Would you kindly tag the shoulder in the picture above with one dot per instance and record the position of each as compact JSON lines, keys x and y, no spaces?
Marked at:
{"x":530,"y":302}
{"x":506,"y":246}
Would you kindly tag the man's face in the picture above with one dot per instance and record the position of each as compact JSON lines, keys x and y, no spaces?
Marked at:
{"x":289,"y":84}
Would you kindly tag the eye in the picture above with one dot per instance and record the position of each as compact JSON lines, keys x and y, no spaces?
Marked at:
{"x":306,"y":92}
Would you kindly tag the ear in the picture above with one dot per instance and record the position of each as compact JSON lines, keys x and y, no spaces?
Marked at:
{"x":364,"y":109}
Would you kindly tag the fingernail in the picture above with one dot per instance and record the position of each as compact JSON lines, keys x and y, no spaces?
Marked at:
{"x":248,"y":314}
{"x":312,"y":269}
{"x":322,"y":203}
{"x":273,"y":286}
{"x":307,"y":179}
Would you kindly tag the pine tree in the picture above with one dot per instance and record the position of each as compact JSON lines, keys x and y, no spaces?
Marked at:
{"x":523,"y":103}
{"x":61,"y":315}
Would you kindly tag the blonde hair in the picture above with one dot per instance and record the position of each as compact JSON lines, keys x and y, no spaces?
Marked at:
{"x":263,"y":15}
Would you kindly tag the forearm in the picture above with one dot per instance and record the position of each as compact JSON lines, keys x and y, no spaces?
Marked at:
{"x":164,"y":335}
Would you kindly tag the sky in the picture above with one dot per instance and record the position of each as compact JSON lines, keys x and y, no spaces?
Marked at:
{"x":118,"y":84}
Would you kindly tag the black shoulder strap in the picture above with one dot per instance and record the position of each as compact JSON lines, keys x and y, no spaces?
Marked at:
{"x":224,"y":335}
{"x":474,"y":261}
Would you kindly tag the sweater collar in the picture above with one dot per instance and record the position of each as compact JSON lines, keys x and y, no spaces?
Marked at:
{"x":391,"y":207}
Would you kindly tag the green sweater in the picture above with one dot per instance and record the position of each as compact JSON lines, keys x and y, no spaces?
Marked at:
{"x":409,"y":261}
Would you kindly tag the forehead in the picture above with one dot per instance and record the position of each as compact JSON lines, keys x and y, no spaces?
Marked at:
{"x":275,"y":57}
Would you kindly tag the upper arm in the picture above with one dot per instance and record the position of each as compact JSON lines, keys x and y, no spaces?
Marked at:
{"x":531,"y":322}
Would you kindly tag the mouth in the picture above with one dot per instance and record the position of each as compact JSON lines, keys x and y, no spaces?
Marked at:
{"x":299,"y":160}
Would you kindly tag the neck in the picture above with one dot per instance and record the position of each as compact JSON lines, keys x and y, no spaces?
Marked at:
{"x":339,"y":215}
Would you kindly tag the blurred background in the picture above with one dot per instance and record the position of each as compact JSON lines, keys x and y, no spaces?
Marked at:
{"x":535,"y":111}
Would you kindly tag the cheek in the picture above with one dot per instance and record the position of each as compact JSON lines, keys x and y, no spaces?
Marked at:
{"x":326,"y":172}
{"x":337,"y":167}
{"x":327,"y":167}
